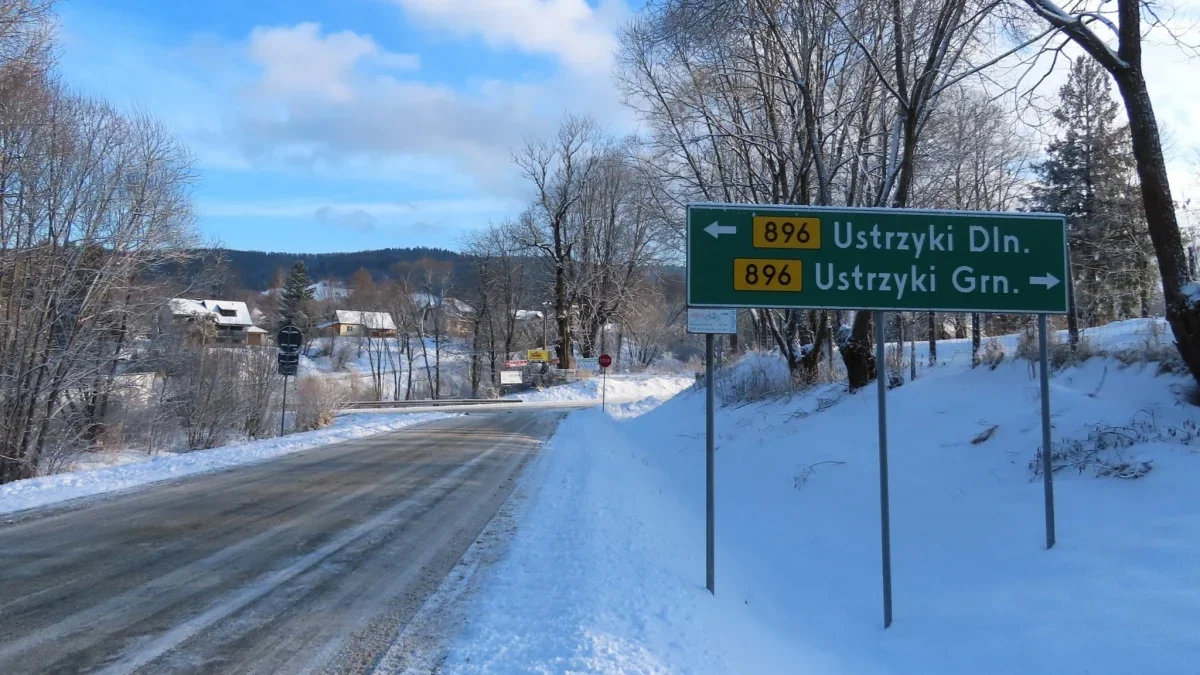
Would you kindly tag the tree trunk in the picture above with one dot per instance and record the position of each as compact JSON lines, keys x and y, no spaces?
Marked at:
{"x":975,"y":339}
{"x":912,"y":351}
{"x":437,"y":358}
{"x":1072,"y":310}
{"x":1182,"y":314}
{"x":561,"y":316}
{"x":856,"y":353}
{"x":475,"y":360}
{"x":933,"y":333}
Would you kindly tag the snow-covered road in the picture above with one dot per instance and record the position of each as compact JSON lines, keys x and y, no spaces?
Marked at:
{"x":310,"y":563}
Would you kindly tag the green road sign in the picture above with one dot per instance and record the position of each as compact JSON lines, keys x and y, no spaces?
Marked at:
{"x":749,"y":255}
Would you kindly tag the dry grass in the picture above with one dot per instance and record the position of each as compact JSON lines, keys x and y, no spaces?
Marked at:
{"x":317,"y":402}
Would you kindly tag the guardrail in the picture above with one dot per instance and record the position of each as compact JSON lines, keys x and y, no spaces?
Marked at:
{"x":375,"y":405}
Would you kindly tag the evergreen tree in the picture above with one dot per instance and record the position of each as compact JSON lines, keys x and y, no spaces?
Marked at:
{"x":1089,"y":176}
{"x":296,"y":299}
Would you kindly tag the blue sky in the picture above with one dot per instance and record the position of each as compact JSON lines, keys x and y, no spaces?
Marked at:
{"x":323,"y":125}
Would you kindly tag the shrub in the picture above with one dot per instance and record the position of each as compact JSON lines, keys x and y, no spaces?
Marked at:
{"x":342,"y":355}
{"x":754,"y":377}
{"x":993,"y":353}
{"x":317,"y":401}
{"x":321,"y":347}
{"x":1058,"y":353}
{"x":1156,"y":347}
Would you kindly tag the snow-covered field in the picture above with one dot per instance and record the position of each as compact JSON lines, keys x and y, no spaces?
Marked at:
{"x":619,"y":388}
{"x":605,"y":573}
{"x":350,"y":358}
{"x":136,"y":470}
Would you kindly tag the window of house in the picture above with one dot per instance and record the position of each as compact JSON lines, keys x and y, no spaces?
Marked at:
{"x":227,"y":312}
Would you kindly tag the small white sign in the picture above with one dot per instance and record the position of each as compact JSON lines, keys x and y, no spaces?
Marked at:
{"x":510,"y":377}
{"x":592,"y":363}
{"x":719,"y":321}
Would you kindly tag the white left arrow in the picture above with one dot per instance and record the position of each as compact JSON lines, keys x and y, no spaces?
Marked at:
{"x":1049,"y":281}
{"x":717,"y":229}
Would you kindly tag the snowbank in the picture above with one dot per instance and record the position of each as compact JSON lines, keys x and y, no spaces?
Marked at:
{"x":606,"y":571}
{"x":46,"y":490}
{"x":620,"y":388}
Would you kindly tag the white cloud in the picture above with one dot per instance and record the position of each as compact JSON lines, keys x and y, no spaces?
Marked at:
{"x":354,"y":219}
{"x":445,"y":211}
{"x":572,"y":30}
{"x":316,"y":100}
{"x":299,"y":61}
{"x":300,"y":100}
{"x":435,"y":221}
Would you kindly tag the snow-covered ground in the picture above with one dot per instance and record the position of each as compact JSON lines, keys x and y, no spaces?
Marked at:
{"x":605,"y":573}
{"x":351,"y":358}
{"x":135,"y":470}
{"x":619,"y":388}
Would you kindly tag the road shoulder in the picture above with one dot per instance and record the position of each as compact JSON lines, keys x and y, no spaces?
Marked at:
{"x":423,"y":645}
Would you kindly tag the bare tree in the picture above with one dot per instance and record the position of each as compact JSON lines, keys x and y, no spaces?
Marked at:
{"x":1117,"y":46}
{"x":649,"y":323}
{"x":559,"y":170}
{"x":498,"y":298}
{"x":91,"y":202}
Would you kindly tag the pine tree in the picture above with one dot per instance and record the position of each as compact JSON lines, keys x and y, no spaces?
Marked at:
{"x":295,"y":301}
{"x":1088,"y":175}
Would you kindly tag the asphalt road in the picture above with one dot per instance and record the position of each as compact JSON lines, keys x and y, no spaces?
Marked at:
{"x":309,"y":563}
{"x":499,"y":405}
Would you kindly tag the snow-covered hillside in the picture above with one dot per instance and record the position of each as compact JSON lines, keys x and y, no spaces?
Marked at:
{"x":619,"y":388}
{"x":348,"y":358}
{"x":605,"y":573}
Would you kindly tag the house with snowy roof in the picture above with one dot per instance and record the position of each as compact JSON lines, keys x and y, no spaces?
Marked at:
{"x":353,"y":323}
{"x":221,"y":322}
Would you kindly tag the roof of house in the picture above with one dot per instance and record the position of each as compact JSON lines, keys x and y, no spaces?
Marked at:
{"x":372,"y":320}
{"x":255,"y":329}
{"x":451,"y":304}
{"x":213,"y":309}
{"x":527,"y":314}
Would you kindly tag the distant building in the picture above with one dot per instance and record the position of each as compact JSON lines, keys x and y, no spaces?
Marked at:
{"x":456,"y":314}
{"x":222,"y":322}
{"x":352,"y":323}
{"x":256,"y":337}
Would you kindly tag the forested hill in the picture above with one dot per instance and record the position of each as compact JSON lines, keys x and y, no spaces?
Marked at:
{"x":255,"y":269}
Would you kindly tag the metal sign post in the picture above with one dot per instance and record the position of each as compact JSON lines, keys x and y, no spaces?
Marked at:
{"x":710,"y":322}
{"x":605,"y":361}
{"x":710,"y":551}
{"x":885,"y":518}
{"x":288,"y":342}
{"x":283,"y":408}
{"x":1047,"y":450}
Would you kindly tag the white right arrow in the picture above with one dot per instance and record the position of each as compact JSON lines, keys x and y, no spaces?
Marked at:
{"x":1049,"y":281}
{"x":717,"y":229}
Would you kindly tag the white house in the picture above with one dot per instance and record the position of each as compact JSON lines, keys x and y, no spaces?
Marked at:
{"x":455,"y":315}
{"x":230,"y":319}
{"x":352,"y":323}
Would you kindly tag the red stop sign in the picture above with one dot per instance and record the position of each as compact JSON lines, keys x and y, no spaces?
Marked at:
{"x":605,"y":360}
